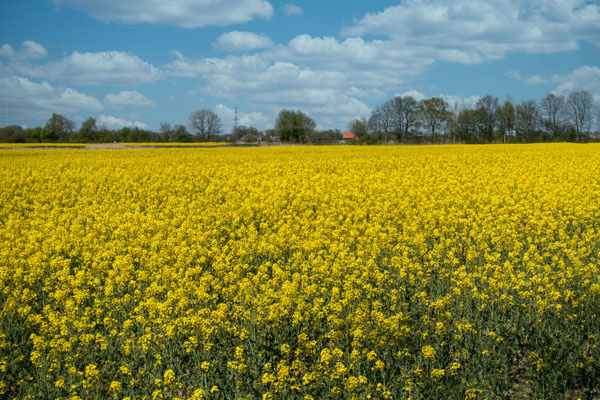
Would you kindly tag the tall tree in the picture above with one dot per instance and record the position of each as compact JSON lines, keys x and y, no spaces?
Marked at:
{"x":487,"y":110}
{"x":410,"y":117}
{"x":87,"y":131}
{"x":527,"y":120}
{"x":507,"y":119}
{"x":294,"y":126}
{"x":398,"y":117}
{"x":466,"y":125}
{"x":384,"y":119}
{"x":205,"y":123}
{"x":579,"y":109}
{"x":358,"y":127}
{"x":453,"y":114}
{"x":57,"y":129}
{"x":434,"y":113}
{"x":246,"y":133}
{"x":181,"y":134}
{"x":553,"y":107}
{"x":597,"y":121}
{"x":166,"y":131}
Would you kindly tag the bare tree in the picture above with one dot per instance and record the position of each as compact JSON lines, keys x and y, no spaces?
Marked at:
{"x":579,"y":109}
{"x":507,"y":118}
{"x":374,"y":122}
{"x":386,"y":118}
{"x":165,"y":130}
{"x":488,"y":110}
{"x":398,"y":117}
{"x":527,"y":120}
{"x":553,"y":107}
{"x":381,"y":121}
{"x":457,"y":107}
{"x":206,"y":123}
{"x":597,"y":121}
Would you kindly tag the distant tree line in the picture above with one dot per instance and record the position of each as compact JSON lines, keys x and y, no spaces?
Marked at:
{"x":402,"y":119}
{"x":205,"y":125}
{"x":60,"y":129}
{"x":554,"y":118}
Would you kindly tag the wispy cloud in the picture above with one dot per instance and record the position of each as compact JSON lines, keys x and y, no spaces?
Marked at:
{"x":127,"y":99}
{"x":292,"y":9}
{"x":183,"y":13}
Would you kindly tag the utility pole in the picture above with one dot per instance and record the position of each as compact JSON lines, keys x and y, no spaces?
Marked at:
{"x":235,"y":122}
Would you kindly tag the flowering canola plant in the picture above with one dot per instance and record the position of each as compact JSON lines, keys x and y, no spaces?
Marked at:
{"x":455,"y":272}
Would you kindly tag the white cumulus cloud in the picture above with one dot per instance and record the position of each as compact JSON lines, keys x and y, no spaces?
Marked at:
{"x":227,"y":115}
{"x":112,"y":122}
{"x":29,"y":51}
{"x":451,"y":99}
{"x":586,"y":77}
{"x":483,"y":30}
{"x":101,"y":68}
{"x":414,"y":94}
{"x":183,"y":13}
{"x":127,"y":98}
{"x":583,"y":78}
{"x":242,"y":41}
{"x":31,"y":101}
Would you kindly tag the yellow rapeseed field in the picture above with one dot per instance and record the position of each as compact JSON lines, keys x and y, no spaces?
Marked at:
{"x":431,"y":272}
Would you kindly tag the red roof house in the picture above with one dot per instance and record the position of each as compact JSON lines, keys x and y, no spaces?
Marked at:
{"x":348,"y":135}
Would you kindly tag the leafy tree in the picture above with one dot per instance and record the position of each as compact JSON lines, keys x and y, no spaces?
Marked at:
{"x":294,"y":126}
{"x":358,"y":127}
{"x":181,"y":134}
{"x":105,"y":135}
{"x":246,"y":131}
{"x":57,"y":129}
{"x":13,"y":134}
{"x":35,"y":134}
{"x":206,"y":123}
{"x":434,"y":113}
{"x":410,"y":115}
{"x":86,"y":133}
{"x":325,"y":136}
{"x":466,"y":125}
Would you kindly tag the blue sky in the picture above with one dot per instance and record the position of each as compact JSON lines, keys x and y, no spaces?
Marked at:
{"x":143,"y":62}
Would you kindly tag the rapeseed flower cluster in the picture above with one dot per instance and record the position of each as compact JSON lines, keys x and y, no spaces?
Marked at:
{"x":301,"y":273}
